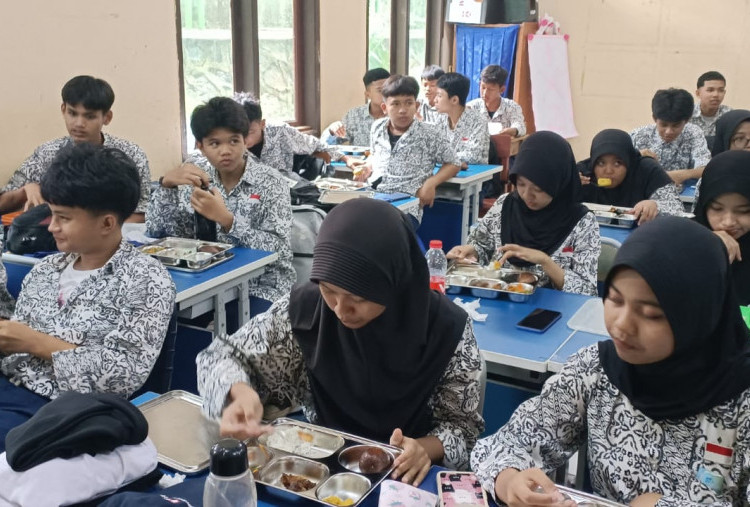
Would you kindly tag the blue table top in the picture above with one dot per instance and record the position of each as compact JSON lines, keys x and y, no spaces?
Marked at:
{"x":502,"y":342}
{"x":472,"y":170}
{"x":616,"y":233}
{"x":688,"y":191}
{"x":579,"y":340}
{"x":242,"y":256}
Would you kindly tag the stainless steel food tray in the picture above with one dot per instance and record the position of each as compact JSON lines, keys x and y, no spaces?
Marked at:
{"x":613,"y":216}
{"x":339,"y":184}
{"x":339,"y":196}
{"x":461,"y":277}
{"x":587,"y":499}
{"x":182,"y":436}
{"x":333,"y":444}
{"x":186,"y":254}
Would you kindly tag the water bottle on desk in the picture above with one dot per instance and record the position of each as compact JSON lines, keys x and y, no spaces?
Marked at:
{"x":230,"y":483}
{"x":437,"y":264}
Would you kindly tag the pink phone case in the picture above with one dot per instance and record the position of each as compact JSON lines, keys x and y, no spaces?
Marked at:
{"x":460,"y":489}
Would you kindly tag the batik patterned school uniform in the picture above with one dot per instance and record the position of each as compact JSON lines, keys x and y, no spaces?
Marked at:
{"x":470,"y":139}
{"x":117,"y":317}
{"x":281,"y":142}
{"x":358,"y":124}
{"x":689,"y":150}
{"x":707,"y":123}
{"x":34,"y":167}
{"x":262,"y":219}
{"x":407,"y":164}
{"x":508,"y":115}
{"x":428,"y":113}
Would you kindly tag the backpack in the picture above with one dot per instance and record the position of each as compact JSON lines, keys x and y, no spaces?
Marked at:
{"x":310,"y":167}
{"x":28,"y":232}
{"x":306,"y":221}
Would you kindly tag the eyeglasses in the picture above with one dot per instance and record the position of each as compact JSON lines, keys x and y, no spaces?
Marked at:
{"x":740,"y":142}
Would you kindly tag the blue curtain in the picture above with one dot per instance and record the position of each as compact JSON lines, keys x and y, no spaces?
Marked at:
{"x":477,"y":47}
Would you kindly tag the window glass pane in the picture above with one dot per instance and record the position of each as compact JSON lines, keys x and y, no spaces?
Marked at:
{"x":417,"y":36}
{"x":276,"y":58}
{"x":206,"y":53}
{"x":379,"y":34}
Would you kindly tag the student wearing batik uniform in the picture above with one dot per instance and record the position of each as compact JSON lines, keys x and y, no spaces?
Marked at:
{"x":86,"y":109}
{"x":426,"y":104}
{"x":369,"y":349}
{"x":405,"y":151}
{"x":357,"y":124}
{"x":504,"y":116}
{"x":712,"y":87}
{"x":7,"y":303}
{"x":541,"y":222}
{"x":635,"y":181}
{"x":248,"y":200}
{"x":724,"y":207}
{"x":93,"y":318}
{"x":663,"y":406}
{"x":466,"y":129}
{"x":276,"y":145}
{"x":679,"y":146}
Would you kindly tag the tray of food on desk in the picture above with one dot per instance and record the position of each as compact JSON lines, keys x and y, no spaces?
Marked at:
{"x":613,"y":216}
{"x":190,"y":255}
{"x":327,"y":466}
{"x":584,"y":499}
{"x":339,"y":184}
{"x":339,"y":196}
{"x":491,"y":282}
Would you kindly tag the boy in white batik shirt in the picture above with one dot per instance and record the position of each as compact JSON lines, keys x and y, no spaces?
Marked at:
{"x":679,"y":146}
{"x":503,"y":116}
{"x":86,"y":109}
{"x":405,"y":151}
{"x":466,"y":128}
{"x":276,"y":145}
{"x":357,"y":122}
{"x":711,"y":89}
{"x":426,"y":104}
{"x":93,"y":318}
{"x":249,"y":201}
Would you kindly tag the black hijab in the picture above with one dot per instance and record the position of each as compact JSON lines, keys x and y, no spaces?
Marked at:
{"x":643,"y":176}
{"x":546,"y":160}
{"x":372,"y":380}
{"x":725,"y":127}
{"x":729,"y":172}
{"x":686,"y":267}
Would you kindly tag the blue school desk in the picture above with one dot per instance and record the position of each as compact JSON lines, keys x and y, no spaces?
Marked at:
{"x":616,"y":233}
{"x":688,"y":192}
{"x":576,"y":342}
{"x":197,"y":293}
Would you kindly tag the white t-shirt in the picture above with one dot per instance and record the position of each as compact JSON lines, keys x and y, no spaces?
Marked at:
{"x":69,"y":280}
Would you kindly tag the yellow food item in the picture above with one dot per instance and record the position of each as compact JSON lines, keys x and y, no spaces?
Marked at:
{"x":604,"y":182}
{"x":334,"y":500}
{"x":305,"y":437}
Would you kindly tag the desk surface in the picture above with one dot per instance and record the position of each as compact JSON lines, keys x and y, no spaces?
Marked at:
{"x":502,"y":343}
{"x":616,"y":233}
{"x":576,"y":342}
{"x":474,"y":173}
{"x":688,"y":191}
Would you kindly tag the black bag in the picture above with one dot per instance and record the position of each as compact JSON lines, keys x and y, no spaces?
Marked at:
{"x":310,"y":167}
{"x":28,"y":232}
{"x":304,"y":192}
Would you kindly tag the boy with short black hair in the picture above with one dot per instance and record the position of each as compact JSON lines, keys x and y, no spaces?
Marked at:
{"x":679,"y":146}
{"x":503,"y":116}
{"x":249,"y":201}
{"x":357,"y":123}
{"x":405,"y":151}
{"x":92,"y":318}
{"x":426,"y":111}
{"x":711,"y":89}
{"x":86,"y":108}
{"x":276,"y":144}
{"x":465,"y":128}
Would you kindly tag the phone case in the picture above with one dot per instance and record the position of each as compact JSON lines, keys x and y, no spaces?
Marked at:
{"x":460,"y":489}
{"x":520,"y":325}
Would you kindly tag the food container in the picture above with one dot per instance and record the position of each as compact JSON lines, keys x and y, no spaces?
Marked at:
{"x":520,"y":276}
{"x":454,"y":284}
{"x":519,"y":292}
{"x":310,"y":443}
{"x":339,"y":184}
{"x":583,"y":499}
{"x":335,"y":473}
{"x":294,"y":474}
{"x":351,"y":458}
{"x":339,"y":196}
{"x":257,"y":457}
{"x":191,"y":255}
{"x":487,"y":287}
{"x":343,"y":489}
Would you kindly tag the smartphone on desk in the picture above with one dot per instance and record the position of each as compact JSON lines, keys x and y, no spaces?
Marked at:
{"x":539,"y":320}
{"x":459,"y":489}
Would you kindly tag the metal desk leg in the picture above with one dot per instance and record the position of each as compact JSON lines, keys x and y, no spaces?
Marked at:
{"x":465,"y":205}
{"x":475,"y":190}
{"x":220,"y":314}
{"x":244,"y":313}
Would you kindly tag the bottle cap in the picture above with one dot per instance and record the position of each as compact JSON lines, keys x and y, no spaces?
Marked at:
{"x":228,"y":457}
{"x":436,"y":243}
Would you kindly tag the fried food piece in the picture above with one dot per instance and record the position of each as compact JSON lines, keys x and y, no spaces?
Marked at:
{"x":374,"y":460}
{"x":296,"y":483}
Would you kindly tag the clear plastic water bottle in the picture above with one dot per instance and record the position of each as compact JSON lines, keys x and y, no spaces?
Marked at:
{"x":230,"y":483}
{"x":437,"y":264}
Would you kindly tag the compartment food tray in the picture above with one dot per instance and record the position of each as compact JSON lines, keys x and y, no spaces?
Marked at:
{"x":586,"y":499}
{"x":462,"y":277}
{"x":324,"y":465}
{"x":189,"y":255}
{"x":613,"y":216}
{"x":339,"y":184}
